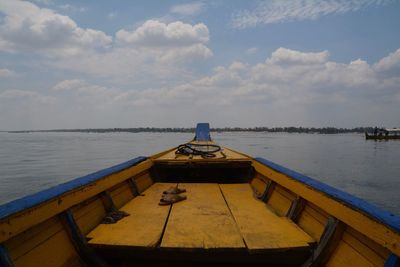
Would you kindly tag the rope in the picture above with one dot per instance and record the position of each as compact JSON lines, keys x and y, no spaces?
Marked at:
{"x":193,"y":149}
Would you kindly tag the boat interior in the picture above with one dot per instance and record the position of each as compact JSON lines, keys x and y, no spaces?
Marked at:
{"x":237,"y":212}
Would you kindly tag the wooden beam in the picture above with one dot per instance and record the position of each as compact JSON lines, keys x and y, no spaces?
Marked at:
{"x":296,"y":208}
{"x":79,"y":241}
{"x":108,"y":201}
{"x":330,"y":238}
{"x":268,"y":191}
{"x":133,"y":186}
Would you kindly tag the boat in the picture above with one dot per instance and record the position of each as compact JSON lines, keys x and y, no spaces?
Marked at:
{"x":198,"y":204}
{"x":383,"y":134}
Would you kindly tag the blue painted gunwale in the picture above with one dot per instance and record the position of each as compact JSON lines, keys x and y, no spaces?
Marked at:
{"x":48,"y":194}
{"x":373,"y":211}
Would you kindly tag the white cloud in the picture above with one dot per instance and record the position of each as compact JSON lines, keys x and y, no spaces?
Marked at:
{"x":6,"y":72}
{"x":29,"y":28}
{"x":277,"y":11}
{"x":284,"y":55}
{"x":289,"y":88}
{"x":188,"y":9}
{"x":252,"y":50}
{"x":72,"y":8}
{"x":154,"y":51}
{"x":390,"y":64}
{"x":24,"y":95}
{"x":156,"y":33}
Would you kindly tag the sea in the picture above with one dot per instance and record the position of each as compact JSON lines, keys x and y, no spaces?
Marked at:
{"x":30,"y":162}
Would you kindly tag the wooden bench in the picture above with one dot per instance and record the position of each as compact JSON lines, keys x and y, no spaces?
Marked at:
{"x":214,"y":216}
{"x":142,"y":228}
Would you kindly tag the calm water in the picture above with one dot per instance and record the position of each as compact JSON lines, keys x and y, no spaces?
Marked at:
{"x":30,"y":162}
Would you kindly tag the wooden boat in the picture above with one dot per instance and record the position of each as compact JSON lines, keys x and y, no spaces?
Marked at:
{"x":239,"y":211}
{"x":383,"y":134}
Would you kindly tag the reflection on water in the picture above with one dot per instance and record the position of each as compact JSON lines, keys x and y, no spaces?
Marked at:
{"x":30,"y":162}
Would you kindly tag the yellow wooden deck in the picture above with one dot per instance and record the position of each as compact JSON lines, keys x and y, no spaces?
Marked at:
{"x":214,"y":216}
{"x":144,"y":226}
{"x":260,"y":227}
{"x":202,"y":221}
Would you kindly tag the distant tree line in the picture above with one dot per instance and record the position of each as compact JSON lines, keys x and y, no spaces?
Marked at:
{"x":324,"y":130}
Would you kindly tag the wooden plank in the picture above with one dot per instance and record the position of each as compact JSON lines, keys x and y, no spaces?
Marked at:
{"x":24,"y":220}
{"x":143,"y":182}
{"x":89,"y":214}
{"x":330,"y":238}
{"x":279,"y":202}
{"x":375,"y":230}
{"x":122,"y":194}
{"x":57,"y":250}
{"x":144,"y":226}
{"x":310,"y":224}
{"x":261,"y":228}
{"x":368,"y":253}
{"x":26,"y":241}
{"x":345,"y":255}
{"x":202,"y":221}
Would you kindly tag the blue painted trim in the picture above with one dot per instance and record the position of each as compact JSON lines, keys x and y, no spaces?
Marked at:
{"x":45,"y":195}
{"x":382,"y":216}
{"x":5,"y":259}
{"x":203,"y":132}
{"x":392,"y":261}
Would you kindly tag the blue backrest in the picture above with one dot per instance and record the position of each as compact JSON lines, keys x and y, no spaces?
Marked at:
{"x":202,"y":132}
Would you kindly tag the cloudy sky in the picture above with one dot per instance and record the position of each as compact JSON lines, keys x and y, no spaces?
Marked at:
{"x":86,"y":64}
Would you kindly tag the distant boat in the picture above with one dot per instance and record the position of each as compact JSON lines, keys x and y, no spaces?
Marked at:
{"x":197,"y":204}
{"x":383,"y":134}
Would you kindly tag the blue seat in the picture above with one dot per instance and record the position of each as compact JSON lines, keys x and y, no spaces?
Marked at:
{"x":202,"y":132}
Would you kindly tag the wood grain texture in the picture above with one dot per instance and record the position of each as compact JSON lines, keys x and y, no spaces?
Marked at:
{"x":345,"y":255}
{"x":144,"y":226}
{"x":374,"y":229}
{"x":203,"y":221}
{"x":28,"y":218}
{"x":260,"y":227}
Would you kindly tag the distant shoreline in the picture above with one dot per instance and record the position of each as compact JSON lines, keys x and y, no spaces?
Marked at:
{"x":312,"y":130}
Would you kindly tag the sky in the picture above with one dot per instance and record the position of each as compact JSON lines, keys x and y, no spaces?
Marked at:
{"x":95,"y":64}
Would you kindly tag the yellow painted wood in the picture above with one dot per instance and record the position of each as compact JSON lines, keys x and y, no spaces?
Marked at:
{"x":26,"y":241}
{"x":260,"y":227}
{"x":310,"y":224}
{"x":144,"y":226}
{"x":284,"y":192}
{"x":317,"y":213}
{"x":46,"y":244}
{"x":279,"y":203}
{"x":259,"y":185}
{"x":121,"y":194}
{"x":380,"y":250}
{"x":378,"y":232}
{"x":143,"y":182}
{"x":363,"y":250}
{"x":89,"y":214}
{"x":202,"y":221}
{"x":345,"y":255}
{"x":54,"y":251}
{"x":22,"y":221}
